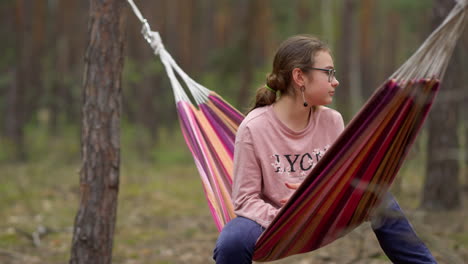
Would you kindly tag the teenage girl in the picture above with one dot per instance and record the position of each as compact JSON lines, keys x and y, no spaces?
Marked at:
{"x":281,"y":139}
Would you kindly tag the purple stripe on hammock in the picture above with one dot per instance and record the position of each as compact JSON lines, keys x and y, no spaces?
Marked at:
{"x":196,"y":148}
{"x":185,"y":125}
{"x":224,"y":125}
{"x":224,"y":133}
{"x":217,"y":161}
{"x":212,"y":179}
{"x":229,"y":110}
{"x":232,"y":114}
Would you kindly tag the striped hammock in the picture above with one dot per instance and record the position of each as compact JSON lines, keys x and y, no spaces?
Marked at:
{"x":348,"y":182}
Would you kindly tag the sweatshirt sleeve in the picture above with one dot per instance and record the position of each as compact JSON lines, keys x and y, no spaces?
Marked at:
{"x":247,"y":184}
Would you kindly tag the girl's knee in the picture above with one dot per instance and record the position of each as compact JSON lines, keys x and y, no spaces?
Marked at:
{"x":232,"y":244}
{"x":236,"y":243}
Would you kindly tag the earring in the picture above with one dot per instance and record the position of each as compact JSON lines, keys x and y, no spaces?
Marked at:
{"x":303,"y":98}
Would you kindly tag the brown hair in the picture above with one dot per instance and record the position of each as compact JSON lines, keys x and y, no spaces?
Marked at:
{"x":295,"y":52}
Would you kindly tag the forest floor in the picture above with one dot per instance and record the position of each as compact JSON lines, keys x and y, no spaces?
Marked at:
{"x":163,"y":216}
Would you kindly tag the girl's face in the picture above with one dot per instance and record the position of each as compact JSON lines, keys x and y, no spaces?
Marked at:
{"x":319,"y":90}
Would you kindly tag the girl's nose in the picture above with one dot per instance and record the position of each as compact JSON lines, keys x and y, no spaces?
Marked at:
{"x":335,"y":82}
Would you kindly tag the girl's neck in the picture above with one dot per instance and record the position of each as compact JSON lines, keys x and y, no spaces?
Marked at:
{"x":291,"y":111}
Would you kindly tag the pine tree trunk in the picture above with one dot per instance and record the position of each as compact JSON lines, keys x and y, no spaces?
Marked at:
{"x":264,"y":31}
{"x":248,"y":46}
{"x":303,"y":13}
{"x":345,"y":50}
{"x":441,"y":186}
{"x":60,"y":43}
{"x":464,"y":106}
{"x":17,"y":107}
{"x":99,"y":177}
{"x":35,"y":88}
{"x":366,"y":47}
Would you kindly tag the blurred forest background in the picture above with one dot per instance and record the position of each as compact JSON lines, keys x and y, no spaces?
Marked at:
{"x":228,"y":47}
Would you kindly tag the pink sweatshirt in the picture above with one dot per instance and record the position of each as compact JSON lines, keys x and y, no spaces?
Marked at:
{"x":268,"y":154}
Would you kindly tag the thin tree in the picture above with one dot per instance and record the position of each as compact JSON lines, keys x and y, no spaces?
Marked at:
{"x":464,"y":98}
{"x":366,"y":42}
{"x":441,"y":186}
{"x":248,"y":47}
{"x":346,"y":47}
{"x":15,"y":110}
{"x":99,"y":177}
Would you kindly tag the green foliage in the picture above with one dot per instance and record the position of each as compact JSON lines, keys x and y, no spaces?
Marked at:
{"x":407,"y":7}
{"x":408,"y":10}
{"x":461,"y":240}
{"x":131,"y":71}
{"x":171,"y":149}
{"x":9,"y":239}
{"x":7,"y":149}
{"x":8,"y":57}
{"x":45,"y":191}
{"x":42,"y":143}
{"x":226,"y":85}
{"x":168,"y":151}
{"x":161,"y":202}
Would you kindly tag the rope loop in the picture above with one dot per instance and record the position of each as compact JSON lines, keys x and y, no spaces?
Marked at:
{"x":152,"y":37}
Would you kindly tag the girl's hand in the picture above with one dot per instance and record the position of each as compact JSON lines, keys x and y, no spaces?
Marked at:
{"x":292,"y":186}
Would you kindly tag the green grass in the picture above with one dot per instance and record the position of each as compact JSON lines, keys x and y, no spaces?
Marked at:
{"x":153,"y":194}
{"x":162,"y":212}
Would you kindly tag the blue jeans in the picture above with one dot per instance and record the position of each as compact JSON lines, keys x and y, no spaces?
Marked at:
{"x":236,"y":243}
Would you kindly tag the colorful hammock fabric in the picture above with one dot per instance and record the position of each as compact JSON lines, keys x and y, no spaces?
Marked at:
{"x":353,"y":174}
{"x":348,"y":182}
{"x":210,"y":132}
{"x":337,"y":195}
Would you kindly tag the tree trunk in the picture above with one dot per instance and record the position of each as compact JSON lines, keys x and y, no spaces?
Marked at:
{"x":222,"y":23}
{"x":327,"y":20}
{"x":204,"y":42}
{"x":16,"y":115}
{"x":366,"y":47}
{"x":441,"y":186}
{"x":264,"y":30}
{"x":464,"y":105}
{"x":388,"y":51}
{"x":60,"y":57}
{"x":248,"y":46}
{"x":345,"y":47}
{"x":303,"y":14}
{"x":392,"y":39}
{"x":99,"y":176}
{"x":35,"y":62}
{"x":14,"y":125}
{"x":185,"y":22}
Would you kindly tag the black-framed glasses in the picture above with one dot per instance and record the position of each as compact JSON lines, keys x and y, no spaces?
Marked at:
{"x":331,"y":72}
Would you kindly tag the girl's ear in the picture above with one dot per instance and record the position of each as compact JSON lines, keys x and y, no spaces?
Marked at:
{"x":297,"y":77}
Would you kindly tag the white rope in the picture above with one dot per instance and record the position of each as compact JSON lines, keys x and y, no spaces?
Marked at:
{"x":199,"y":92}
{"x":136,"y":11}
